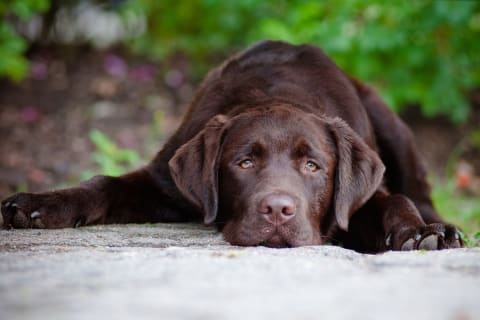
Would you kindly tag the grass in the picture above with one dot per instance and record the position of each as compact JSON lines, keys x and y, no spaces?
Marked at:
{"x":457,"y":208}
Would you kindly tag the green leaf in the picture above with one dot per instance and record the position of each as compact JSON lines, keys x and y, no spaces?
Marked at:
{"x":112,"y":160}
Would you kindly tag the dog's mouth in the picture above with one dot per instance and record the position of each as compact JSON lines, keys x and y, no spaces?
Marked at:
{"x":276,"y":241}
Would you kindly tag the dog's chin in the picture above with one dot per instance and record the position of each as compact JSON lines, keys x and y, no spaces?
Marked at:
{"x":269,"y":236}
{"x":276,"y":241}
{"x":273,"y":241}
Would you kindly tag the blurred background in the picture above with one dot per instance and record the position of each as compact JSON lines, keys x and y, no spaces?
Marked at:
{"x":95,"y":87}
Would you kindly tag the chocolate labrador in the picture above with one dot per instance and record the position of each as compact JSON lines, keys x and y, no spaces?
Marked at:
{"x":278,"y":148}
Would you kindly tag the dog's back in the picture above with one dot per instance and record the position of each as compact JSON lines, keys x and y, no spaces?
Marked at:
{"x":274,"y":70}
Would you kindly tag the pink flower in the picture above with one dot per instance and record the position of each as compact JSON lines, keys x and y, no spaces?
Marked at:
{"x":38,"y":70}
{"x":29,"y":114}
{"x":144,"y":72}
{"x":115,"y":65}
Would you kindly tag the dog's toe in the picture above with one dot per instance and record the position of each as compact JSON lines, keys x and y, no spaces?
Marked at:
{"x":429,"y":242}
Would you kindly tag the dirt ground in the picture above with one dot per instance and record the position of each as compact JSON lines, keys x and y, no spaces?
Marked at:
{"x":45,"y":120}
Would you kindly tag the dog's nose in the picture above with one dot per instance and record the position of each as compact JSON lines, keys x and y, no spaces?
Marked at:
{"x":277,"y":208}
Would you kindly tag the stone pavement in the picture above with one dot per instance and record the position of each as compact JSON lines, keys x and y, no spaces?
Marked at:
{"x":183,"y":271}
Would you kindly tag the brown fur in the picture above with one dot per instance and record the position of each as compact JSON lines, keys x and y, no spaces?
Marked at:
{"x":279,"y":148}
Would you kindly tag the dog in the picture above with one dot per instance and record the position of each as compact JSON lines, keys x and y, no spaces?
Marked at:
{"x":279,"y":148}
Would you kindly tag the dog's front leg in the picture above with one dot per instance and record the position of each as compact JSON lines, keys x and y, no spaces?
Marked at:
{"x":134,"y":197}
{"x":392,"y":222}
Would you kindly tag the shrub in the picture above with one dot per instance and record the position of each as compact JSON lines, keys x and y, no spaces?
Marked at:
{"x":414,"y":52}
{"x":13,"y":64}
{"x":421,"y":52}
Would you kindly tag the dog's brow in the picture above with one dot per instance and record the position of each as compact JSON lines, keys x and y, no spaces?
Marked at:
{"x":302,"y":149}
{"x":248,"y":148}
{"x":305,"y":149}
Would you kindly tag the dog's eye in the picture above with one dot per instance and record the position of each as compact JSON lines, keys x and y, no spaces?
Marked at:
{"x":311,"y":166}
{"x":246,"y":164}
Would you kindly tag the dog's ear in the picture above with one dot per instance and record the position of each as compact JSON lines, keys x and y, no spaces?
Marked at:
{"x":194,"y":167}
{"x":359,"y":171}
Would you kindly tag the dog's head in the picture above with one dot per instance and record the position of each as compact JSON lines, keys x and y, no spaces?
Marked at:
{"x":274,"y":176}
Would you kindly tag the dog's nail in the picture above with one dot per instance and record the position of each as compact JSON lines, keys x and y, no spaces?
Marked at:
{"x":429,"y":243}
{"x":417,"y":237}
{"x":408,"y":245}
{"x":457,"y":236}
{"x":441,"y":234}
{"x":78,"y":223}
{"x":388,"y":240}
{"x":35,"y":214}
{"x":14,"y":205}
{"x":6,"y":204}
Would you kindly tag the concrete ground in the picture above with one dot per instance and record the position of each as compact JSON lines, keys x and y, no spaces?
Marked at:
{"x":183,"y":271}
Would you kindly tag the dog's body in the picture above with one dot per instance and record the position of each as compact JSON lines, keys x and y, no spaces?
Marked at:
{"x":278,"y":148}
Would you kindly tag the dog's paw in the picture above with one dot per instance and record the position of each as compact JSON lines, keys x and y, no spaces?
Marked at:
{"x":435,"y":236}
{"x":21,"y":210}
{"x":43,"y":210}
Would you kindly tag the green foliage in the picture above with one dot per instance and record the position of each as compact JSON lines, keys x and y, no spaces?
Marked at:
{"x":423,"y":51}
{"x":414,"y":52}
{"x":471,"y":240}
{"x":12,"y":47}
{"x":461,"y":210}
{"x":474,"y":138}
{"x":203,"y":30}
{"x":112,"y":160}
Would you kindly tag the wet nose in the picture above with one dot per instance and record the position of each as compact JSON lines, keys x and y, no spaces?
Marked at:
{"x":277,"y":208}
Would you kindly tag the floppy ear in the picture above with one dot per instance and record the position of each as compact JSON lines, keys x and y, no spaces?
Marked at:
{"x":194,"y":167}
{"x":359,"y":171}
